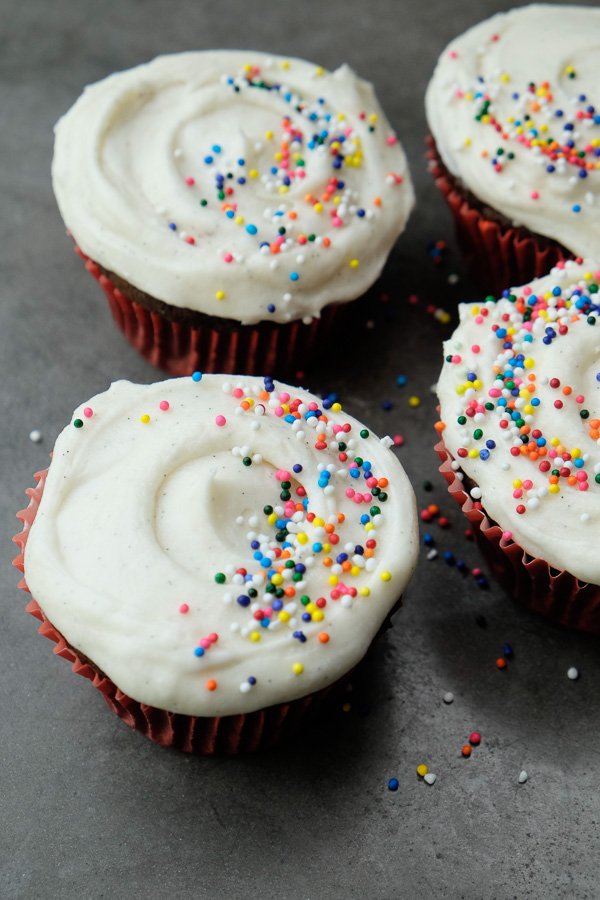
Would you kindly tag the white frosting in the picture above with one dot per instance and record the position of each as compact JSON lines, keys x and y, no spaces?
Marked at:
{"x":123,"y":153}
{"x":561,"y":527}
{"x":494,"y":61}
{"x":137,"y":518}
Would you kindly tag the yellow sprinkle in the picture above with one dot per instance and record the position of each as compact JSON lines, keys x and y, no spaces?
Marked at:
{"x":543,"y":127}
{"x":473,"y":454}
{"x":355,"y":570}
{"x":326,"y":548}
{"x":364,"y":591}
{"x":333,"y":580}
{"x":248,"y":67}
{"x":576,"y":453}
{"x":475,"y":311}
{"x":318,"y":207}
{"x":298,"y":668}
{"x":284,"y":616}
{"x":253,"y":173}
{"x":346,"y":707}
{"x":460,"y":389}
{"x":386,"y":576}
{"x":302,"y":538}
{"x":145,"y":419}
{"x":413,"y":401}
{"x":528,"y":409}
{"x":354,"y":264}
{"x":250,"y":401}
{"x":517,"y":483}
{"x":239,"y":220}
{"x":277,"y":578}
{"x":318,"y":615}
{"x":373,"y":117}
{"x":529,"y":363}
{"x":477,"y":384}
{"x":311,"y":607}
{"x":469,"y":96}
{"x":336,"y":407}
{"x":272,"y":518}
{"x":285,"y":64}
{"x":369,"y":526}
{"x":422,"y":770}
{"x":278,"y":155}
{"x":505,"y":77}
{"x":445,"y":318}
{"x":319,"y":71}
{"x":554,"y":489}
{"x":588,"y":276}
{"x":317,"y":521}
{"x":554,"y":441}
{"x":467,"y":142}
{"x":255,"y":636}
{"x":268,"y":135}
{"x":220,"y":295}
{"x":341,"y":117}
{"x":283,"y":188}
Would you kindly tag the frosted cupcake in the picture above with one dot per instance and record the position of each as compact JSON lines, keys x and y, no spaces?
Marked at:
{"x":229,"y":203}
{"x":520,"y":438}
{"x":513,"y":109}
{"x":216,"y":556}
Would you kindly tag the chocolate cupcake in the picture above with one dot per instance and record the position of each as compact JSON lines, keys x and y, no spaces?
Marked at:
{"x":520,"y":438}
{"x":230,"y":203}
{"x":515,"y":146}
{"x":216,"y":556}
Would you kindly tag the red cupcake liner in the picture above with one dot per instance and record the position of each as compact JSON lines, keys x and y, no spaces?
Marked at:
{"x":180,"y":349}
{"x":499,"y":255}
{"x":205,"y":735}
{"x":558,"y":596}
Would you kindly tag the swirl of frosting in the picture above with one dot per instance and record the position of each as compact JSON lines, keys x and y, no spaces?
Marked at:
{"x":520,"y":413}
{"x":218,"y":547}
{"x":514,"y":108}
{"x":235,"y":184}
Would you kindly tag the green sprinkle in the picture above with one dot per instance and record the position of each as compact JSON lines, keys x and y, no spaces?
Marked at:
{"x":220,"y":578}
{"x":78,"y":423}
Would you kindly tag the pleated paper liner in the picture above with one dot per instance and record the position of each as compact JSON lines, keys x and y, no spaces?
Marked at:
{"x":208,"y":344}
{"x":558,"y":596}
{"x":204,"y":735}
{"x":499,"y":254}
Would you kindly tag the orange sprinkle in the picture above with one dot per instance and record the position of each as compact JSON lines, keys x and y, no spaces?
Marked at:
{"x":341,"y":518}
{"x":326,"y":242}
{"x":211,"y":685}
{"x":368,"y":554}
{"x":377,"y":201}
{"x":346,"y":565}
{"x":329,"y":562}
{"x":290,"y":592}
{"x":433,"y":509}
{"x":567,"y":390}
{"x":383,"y":482}
{"x":466,"y":750}
{"x":292,"y":214}
{"x":440,"y":426}
{"x":329,"y":528}
{"x":264,"y":395}
{"x":501,"y":663}
{"x":324,"y":637}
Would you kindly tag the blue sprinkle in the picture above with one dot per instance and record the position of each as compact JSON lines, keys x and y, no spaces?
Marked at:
{"x":508,"y":651}
{"x":577,"y":208}
{"x":365,"y":518}
{"x":297,"y":468}
{"x":216,"y":148}
{"x":244,"y":600}
{"x":401,"y":380}
{"x":199,"y":651}
{"x":208,"y":160}
{"x":197,"y":376}
{"x":172,"y":226}
{"x":294,"y":276}
{"x":428,"y":540}
{"x":393,"y":784}
{"x":251,"y":229}
{"x":242,"y":162}
{"x":271,"y":307}
{"x":449,"y":558}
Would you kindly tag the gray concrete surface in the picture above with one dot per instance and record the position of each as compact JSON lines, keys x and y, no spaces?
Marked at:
{"x":90,"y":809}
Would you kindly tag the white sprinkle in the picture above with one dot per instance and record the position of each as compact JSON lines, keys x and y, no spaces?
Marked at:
{"x":245,"y":686}
{"x":240,"y":520}
{"x":523,"y":777}
{"x":35,"y":436}
{"x":573,"y":673}
{"x":430,"y":778}
{"x":431,"y":554}
{"x":255,"y":425}
{"x":448,"y":697}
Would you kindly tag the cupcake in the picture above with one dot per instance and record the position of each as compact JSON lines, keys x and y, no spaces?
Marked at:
{"x":520,"y":441}
{"x":230,"y":203}
{"x":515,"y":140}
{"x":215,"y":556}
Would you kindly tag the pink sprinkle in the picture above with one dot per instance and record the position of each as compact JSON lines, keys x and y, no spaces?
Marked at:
{"x":456,"y":359}
{"x":517,"y":494}
{"x":367,"y":498}
{"x":184,"y":608}
{"x":398,"y":440}
{"x":535,"y":195}
{"x":228,"y":257}
{"x":88,"y":412}
{"x":238,"y":392}
{"x":189,"y":180}
{"x":358,"y":498}
{"x":371,"y":482}
{"x":300,"y":173}
{"x":583,"y":485}
{"x":579,"y":398}
{"x":479,"y":320}
{"x":391,"y":140}
{"x":337,"y":222}
{"x":285,"y":475}
{"x":582,"y":476}
{"x":527,"y":291}
{"x":204,"y":643}
{"x":280,"y":411}
{"x":220,"y":420}
{"x":164,"y":405}
{"x":284,"y":398}
{"x":494,"y":392}
{"x":506,"y":535}
{"x":453,"y":54}
{"x":350,"y":493}
{"x":475,"y":348}
{"x":213,"y":637}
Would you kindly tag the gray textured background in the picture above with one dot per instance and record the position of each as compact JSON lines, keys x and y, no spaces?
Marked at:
{"x":90,"y":809}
